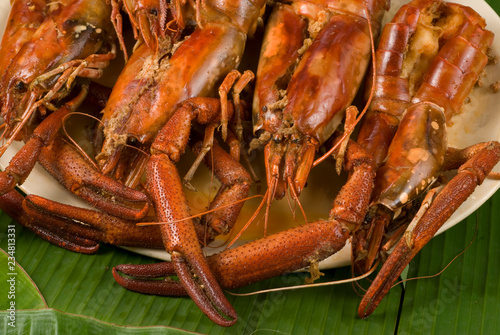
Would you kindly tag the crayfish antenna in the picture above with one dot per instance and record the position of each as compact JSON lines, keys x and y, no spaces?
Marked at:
{"x":24,"y":118}
{"x":296,"y":198}
{"x":265,"y":201}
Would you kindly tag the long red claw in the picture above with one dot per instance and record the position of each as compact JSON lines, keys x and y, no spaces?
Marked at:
{"x":143,"y":278}
{"x":181,"y":241}
{"x":470,"y":175}
{"x":204,"y":289}
{"x":12,"y":204}
{"x":65,"y":164}
{"x":66,"y":241}
{"x":66,"y":220}
{"x":393,"y":267}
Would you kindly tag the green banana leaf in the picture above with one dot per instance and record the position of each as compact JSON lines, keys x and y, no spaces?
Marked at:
{"x":76,"y":285}
{"x":80,"y":292}
{"x":57,"y":291}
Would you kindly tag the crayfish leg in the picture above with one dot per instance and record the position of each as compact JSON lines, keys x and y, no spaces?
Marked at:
{"x":455,"y":192}
{"x":208,"y":143}
{"x":181,"y":241}
{"x":78,"y":176}
{"x":235,"y":187}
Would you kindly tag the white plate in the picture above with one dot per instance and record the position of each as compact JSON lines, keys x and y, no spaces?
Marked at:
{"x":479,"y":122}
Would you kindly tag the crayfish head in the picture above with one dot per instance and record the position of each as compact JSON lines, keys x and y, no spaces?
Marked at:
{"x":17,"y":104}
{"x":289,"y":159}
{"x":149,"y":19}
{"x":20,"y":85}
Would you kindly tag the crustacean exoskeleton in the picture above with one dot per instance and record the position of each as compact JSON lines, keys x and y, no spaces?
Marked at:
{"x":331,"y":51}
{"x":214,"y":48}
{"x":61,"y":224}
{"x":60,"y":158}
{"x":279,"y":253}
{"x":423,"y":125}
{"x":78,"y":41}
{"x":155,"y":82}
{"x":420,"y":87}
{"x":313,"y":59}
{"x":74,"y":39}
{"x":431,"y":53}
{"x":165,"y":187}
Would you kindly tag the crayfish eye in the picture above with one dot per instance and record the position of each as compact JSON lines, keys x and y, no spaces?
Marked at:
{"x":153,"y":12}
{"x":277,"y":139}
{"x":132,"y":141}
{"x":20,"y":86}
{"x":296,"y":139}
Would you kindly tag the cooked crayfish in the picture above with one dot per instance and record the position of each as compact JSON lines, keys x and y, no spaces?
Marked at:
{"x":148,"y":18}
{"x":155,"y":82}
{"x":312,"y":62}
{"x":291,"y":124}
{"x":66,"y":40}
{"x":310,"y":243}
{"x":280,"y":253}
{"x":419,"y":88}
{"x":74,"y":39}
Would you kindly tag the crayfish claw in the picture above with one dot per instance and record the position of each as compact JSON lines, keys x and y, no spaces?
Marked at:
{"x":143,"y":278}
{"x":201,"y":286}
{"x":181,"y":241}
{"x":420,"y":232}
{"x":66,"y":220}
{"x":12,"y":204}
{"x":74,"y":173}
{"x":390,"y":271}
{"x":66,"y":241}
